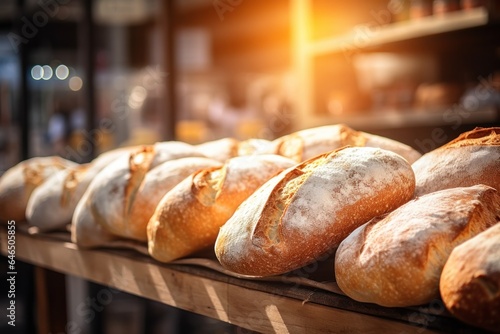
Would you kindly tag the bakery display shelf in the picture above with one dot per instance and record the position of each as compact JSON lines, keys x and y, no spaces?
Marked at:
{"x":395,"y":120}
{"x":293,"y":303}
{"x":404,"y":30}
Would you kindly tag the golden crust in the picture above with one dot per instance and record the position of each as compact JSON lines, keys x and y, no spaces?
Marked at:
{"x":397,"y":260}
{"x":305,"y":144}
{"x":155,"y":185}
{"x":478,"y":136}
{"x":17,"y":184}
{"x":472,"y":158}
{"x":470,"y":282}
{"x":306,"y":211}
{"x":188,"y":218}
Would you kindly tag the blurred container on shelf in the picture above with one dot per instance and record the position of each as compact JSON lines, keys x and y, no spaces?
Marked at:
{"x":442,"y":7}
{"x":483,"y":95}
{"x":470,"y":4}
{"x":191,"y":131}
{"x":400,"y":10}
{"x":420,"y":8}
{"x":434,"y":97}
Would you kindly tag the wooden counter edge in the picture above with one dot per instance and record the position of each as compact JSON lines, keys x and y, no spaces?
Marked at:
{"x":256,"y":310}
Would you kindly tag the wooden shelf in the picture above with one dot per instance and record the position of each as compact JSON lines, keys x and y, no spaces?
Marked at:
{"x":402,"y":31}
{"x":268,"y":306}
{"x":394,"y":120}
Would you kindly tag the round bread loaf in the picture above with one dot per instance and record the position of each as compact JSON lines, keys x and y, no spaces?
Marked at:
{"x":470,"y":282}
{"x":18,"y":183}
{"x":305,"y":144}
{"x":472,"y":158}
{"x":188,"y":218}
{"x":397,"y":260}
{"x":307,"y":210}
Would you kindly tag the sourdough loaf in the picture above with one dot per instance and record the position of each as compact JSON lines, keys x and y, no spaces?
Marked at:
{"x":397,"y":260}
{"x":17,"y":184}
{"x":188,"y":218}
{"x":305,"y":144}
{"x":470,"y":282}
{"x":307,"y":210}
{"x":472,"y":158}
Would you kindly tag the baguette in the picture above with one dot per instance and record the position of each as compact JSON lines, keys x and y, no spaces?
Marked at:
{"x":18,"y":183}
{"x":470,"y":159}
{"x":397,"y":260}
{"x":305,"y":144}
{"x":470,"y":282}
{"x":306,"y":211}
{"x":188,"y":218}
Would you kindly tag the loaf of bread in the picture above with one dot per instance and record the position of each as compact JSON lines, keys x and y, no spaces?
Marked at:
{"x":219,"y":149}
{"x":133,"y":222}
{"x":188,"y":218}
{"x":305,"y":144}
{"x":397,"y":260}
{"x":85,"y":231}
{"x":52,"y":204}
{"x":470,"y":282}
{"x":227,"y":148}
{"x":307,"y":210}
{"x":472,"y":158}
{"x":111,"y":194}
{"x":17,"y":184}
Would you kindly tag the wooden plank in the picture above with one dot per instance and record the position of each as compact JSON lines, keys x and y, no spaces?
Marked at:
{"x":414,"y":118}
{"x":256,"y":310}
{"x":402,"y":31}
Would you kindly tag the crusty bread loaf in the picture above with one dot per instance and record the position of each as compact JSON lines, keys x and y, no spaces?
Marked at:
{"x":52,"y":204}
{"x":227,"y":148}
{"x":305,"y":144}
{"x":397,"y":260}
{"x":470,"y":282}
{"x":306,"y":211}
{"x":17,"y":184}
{"x":155,"y":185}
{"x":85,"y":231}
{"x":113,"y":191}
{"x":472,"y":158}
{"x":188,"y":218}
{"x":170,"y":150}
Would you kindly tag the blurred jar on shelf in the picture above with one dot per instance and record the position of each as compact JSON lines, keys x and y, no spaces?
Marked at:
{"x":470,"y":4}
{"x":420,"y":8}
{"x":442,"y":7}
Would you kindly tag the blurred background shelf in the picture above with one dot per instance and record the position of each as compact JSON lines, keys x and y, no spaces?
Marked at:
{"x":403,"y":31}
{"x":414,"y":118}
{"x":376,"y":67}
